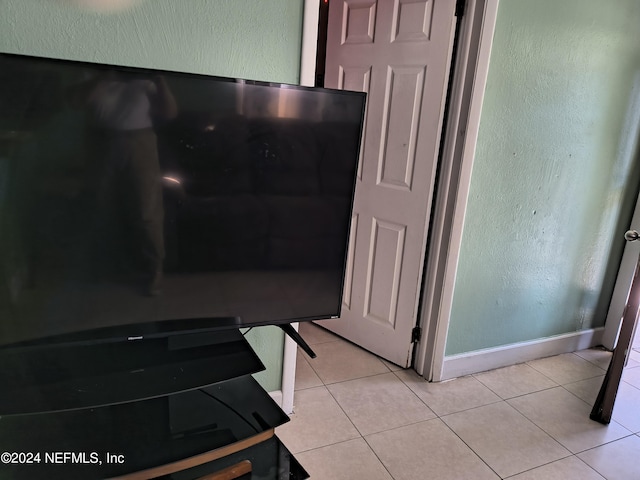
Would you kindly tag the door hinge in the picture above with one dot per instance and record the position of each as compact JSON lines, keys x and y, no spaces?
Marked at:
{"x":460,"y":6}
{"x":416,"y":334}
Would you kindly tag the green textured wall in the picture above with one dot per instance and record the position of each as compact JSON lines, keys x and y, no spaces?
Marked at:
{"x":238,"y":38}
{"x":552,"y":168}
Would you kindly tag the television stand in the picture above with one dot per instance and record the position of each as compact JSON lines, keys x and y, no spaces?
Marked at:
{"x":296,"y":337}
{"x":222,"y":430}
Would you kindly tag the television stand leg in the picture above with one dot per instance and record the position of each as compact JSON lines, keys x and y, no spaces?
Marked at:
{"x":295,"y":336}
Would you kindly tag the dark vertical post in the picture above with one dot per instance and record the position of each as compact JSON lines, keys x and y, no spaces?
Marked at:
{"x":321,"y":55}
{"x":603,"y":407}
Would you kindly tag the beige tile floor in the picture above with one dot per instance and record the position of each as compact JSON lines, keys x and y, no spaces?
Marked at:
{"x":359,"y":417}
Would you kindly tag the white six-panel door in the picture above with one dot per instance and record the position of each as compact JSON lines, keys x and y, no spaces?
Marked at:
{"x":399,"y":52}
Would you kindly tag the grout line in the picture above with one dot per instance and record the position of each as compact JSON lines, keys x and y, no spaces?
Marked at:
{"x":606,"y":443}
{"x":323,"y":446}
{"x":353,"y":379}
{"x":522,"y":394}
{"x":441,"y":417}
{"x":416,"y":395}
{"x":501,"y":400}
{"x":311,"y":360}
{"x":554,"y":461}
{"x":379,"y":459}
{"x":469,"y":447}
{"x":575,"y":395}
{"x":451,"y":413}
{"x":603,"y":372}
{"x":357,"y":429}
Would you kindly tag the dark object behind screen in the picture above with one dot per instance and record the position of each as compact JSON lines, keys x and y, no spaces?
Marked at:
{"x":130,"y":196}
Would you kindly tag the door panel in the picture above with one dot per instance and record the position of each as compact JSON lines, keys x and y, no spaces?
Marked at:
{"x":383,"y":272}
{"x":399,"y":52}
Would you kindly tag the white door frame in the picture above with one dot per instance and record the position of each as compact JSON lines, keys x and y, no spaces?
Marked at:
{"x":461,"y":135}
{"x":469,"y":82}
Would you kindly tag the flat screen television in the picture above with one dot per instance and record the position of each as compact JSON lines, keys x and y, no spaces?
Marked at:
{"x":132,"y":196}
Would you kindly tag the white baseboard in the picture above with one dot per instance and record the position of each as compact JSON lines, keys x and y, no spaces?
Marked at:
{"x":506,"y":355}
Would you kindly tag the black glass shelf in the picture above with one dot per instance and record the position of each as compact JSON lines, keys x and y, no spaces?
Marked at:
{"x":150,"y":433}
{"x":76,"y":376}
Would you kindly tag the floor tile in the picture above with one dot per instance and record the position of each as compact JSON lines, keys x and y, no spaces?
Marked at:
{"x":379,"y":403}
{"x":314,"y":334}
{"x":514,"y":381}
{"x":598,"y":356}
{"x":391,"y":366}
{"x":450,"y":396}
{"x":305,"y":376}
{"x":505,"y":439}
{"x":626,"y":409}
{"x":586,"y":390}
{"x":631,"y":376}
{"x":351,"y":460}
{"x":340,"y":361}
{"x":634,"y":355}
{"x":428,"y":450}
{"x":566,"y":418}
{"x":617,"y":460}
{"x":318,"y":421}
{"x":567,"y":368}
{"x":570,"y":468}
{"x":522,"y":443}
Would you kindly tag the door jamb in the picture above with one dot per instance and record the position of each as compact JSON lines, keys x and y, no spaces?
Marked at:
{"x":461,"y":135}
{"x":307,"y":78}
{"x":309,"y":42}
{"x":470,"y":76}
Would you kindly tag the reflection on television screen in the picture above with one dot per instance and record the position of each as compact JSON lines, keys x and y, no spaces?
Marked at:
{"x":130,"y":196}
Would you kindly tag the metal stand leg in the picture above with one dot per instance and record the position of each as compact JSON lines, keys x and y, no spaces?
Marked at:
{"x":295,"y":336}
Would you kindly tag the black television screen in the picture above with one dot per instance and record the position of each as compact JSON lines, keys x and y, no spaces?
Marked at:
{"x":130,"y":196}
